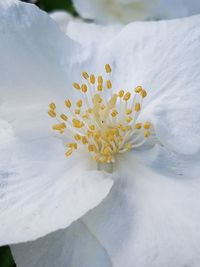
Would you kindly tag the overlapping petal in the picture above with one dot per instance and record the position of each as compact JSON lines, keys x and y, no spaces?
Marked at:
{"x":75,"y":246}
{"x":167,"y":66}
{"x":40,"y":191}
{"x":148,"y":219}
{"x":91,"y":33}
{"x":166,"y":63}
{"x":62,"y":18}
{"x":120,"y":11}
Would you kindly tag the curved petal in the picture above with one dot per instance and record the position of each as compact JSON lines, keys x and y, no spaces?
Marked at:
{"x":62,"y":18}
{"x":147,"y":220}
{"x":153,"y":221}
{"x":166,"y":63}
{"x":36,"y":180}
{"x":90,"y":33}
{"x":75,"y":246}
{"x":105,"y":11}
{"x":34,"y":54}
{"x":41,"y":191}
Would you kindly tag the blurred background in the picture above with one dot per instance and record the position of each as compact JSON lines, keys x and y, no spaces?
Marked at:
{"x":6,"y":259}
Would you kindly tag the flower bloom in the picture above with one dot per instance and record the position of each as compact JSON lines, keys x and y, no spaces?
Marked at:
{"x":126,"y":115}
{"x":125,"y":11}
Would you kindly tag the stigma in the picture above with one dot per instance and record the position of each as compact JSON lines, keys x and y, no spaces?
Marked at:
{"x":103,"y":120}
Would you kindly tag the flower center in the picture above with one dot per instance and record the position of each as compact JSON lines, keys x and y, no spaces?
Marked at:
{"x":106,"y":123}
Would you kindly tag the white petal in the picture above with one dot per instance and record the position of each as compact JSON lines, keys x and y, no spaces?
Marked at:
{"x":62,"y":18}
{"x":40,"y":190}
{"x":34,"y":54}
{"x":165,"y":61}
{"x":149,"y":219}
{"x":75,"y":246}
{"x":105,"y":11}
{"x":87,"y":33}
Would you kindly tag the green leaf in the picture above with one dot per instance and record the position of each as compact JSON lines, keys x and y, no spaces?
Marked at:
{"x":6,"y":259}
{"x":49,"y":5}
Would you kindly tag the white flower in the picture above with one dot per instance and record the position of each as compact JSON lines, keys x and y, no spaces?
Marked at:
{"x":125,"y":11}
{"x":150,"y":216}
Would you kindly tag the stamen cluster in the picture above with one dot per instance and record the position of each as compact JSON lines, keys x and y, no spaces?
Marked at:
{"x":104,"y":122}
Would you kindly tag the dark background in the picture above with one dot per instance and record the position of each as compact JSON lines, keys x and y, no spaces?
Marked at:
{"x":6,"y":259}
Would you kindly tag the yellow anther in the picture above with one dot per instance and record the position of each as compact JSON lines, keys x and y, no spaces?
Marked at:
{"x":92,"y":127}
{"x":79,"y":103}
{"x":96,"y":158}
{"x":52,"y":106}
{"x":75,"y":146}
{"x":56,"y":127}
{"x":106,"y":150}
{"x":69,"y":152}
{"x":59,"y":127}
{"x":91,"y":148}
{"x":64,"y":117}
{"x":52,"y":113}
{"x":84,"y":88}
{"x":129,"y":119}
{"x":77,"y":137}
{"x":100,"y":79}
{"x":108,"y":68}
{"x":121,"y":93}
{"x":114,"y":113}
{"x":146,"y":133}
{"x":63,"y":125}
{"x":138,"y":126}
{"x":72,"y":145}
{"x":68,"y":103}
{"x":147,"y":125}
{"x":84,"y":140}
{"x":85,"y":75}
{"x":89,"y":133}
{"x":123,"y":128}
{"x":97,"y":135}
{"x":77,"y":123}
{"x":137,"y":107}
{"x":138,"y":89}
{"x":76,"y":86}
{"x":92,"y":79}
{"x":100,"y":87}
{"x":85,"y":116}
{"x":128,"y":111}
{"x":77,"y":111}
{"x":127,"y":96}
{"x":143,"y":93}
{"x":102,"y":107}
{"x":108,"y":84}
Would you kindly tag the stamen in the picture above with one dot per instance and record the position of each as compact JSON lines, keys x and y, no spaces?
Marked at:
{"x":92,"y":79}
{"x":52,"y":113}
{"x":76,"y":86}
{"x":106,"y":124}
{"x":108,"y":68}
{"x":85,"y":75}
{"x":109,"y":84}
